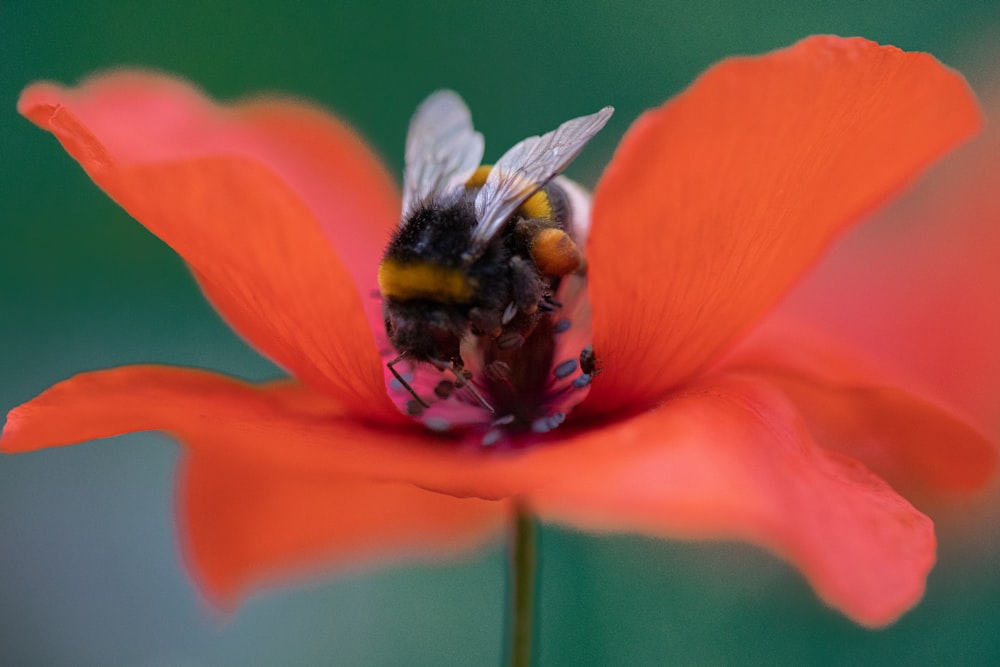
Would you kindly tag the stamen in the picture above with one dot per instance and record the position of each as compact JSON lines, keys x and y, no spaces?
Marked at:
{"x":561,"y":326}
{"x":463,"y":377}
{"x":588,"y":361}
{"x":438,"y":424}
{"x":510,"y":340}
{"x":564,"y":369}
{"x":547,"y":423}
{"x":508,"y":314}
{"x":505,"y":420}
{"x":497,"y":371}
{"x":492,"y":437}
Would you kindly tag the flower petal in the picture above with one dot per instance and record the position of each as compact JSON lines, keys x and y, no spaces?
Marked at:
{"x":916,"y":288}
{"x":253,"y":244}
{"x":717,"y":202}
{"x":147,"y":117}
{"x":248,"y":520}
{"x":282,"y":426}
{"x":918,"y":446}
{"x":244,"y":525}
{"x":730,"y":459}
{"x":285,"y":426}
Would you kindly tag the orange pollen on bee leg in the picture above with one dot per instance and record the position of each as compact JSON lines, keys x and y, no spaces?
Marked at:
{"x":555,"y":253}
{"x":424,"y":280}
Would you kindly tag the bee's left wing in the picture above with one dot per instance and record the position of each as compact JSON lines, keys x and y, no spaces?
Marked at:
{"x":525,"y":169}
{"x":442,"y":149}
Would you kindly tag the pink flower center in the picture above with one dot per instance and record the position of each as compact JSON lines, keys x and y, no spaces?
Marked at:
{"x":531,"y":385}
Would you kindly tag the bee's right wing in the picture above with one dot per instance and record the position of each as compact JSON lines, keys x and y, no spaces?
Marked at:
{"x":442,"y":149}
{"x":525,"y":169}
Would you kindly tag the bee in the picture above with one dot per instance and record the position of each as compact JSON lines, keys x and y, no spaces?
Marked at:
{"x":480,"y":249}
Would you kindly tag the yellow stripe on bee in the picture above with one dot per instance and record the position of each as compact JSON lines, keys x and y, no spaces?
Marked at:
{"x":535,"y":206}
{"x":423,"y":280}
{"x":478,"y":177}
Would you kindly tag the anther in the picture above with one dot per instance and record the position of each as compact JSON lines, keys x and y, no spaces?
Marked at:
{"x":444,"y":388}
{"x":510,"y":341}
{"x":463,"y":376}
{"x":588,"y":362}
{"x":508,"y":313}
{"x":564,"y":369}
{"x":504,"y":421}
{"x":492,"y":437}
{"x":497,"y":371}
{"x":437,"y":424}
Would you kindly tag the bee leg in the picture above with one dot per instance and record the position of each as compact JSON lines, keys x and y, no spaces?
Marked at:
{"x":485,"y":323}
{"x":462,"y":380}
{"x":527,"y":286}
{"x":392,"y":368}
{"x":555,"y":253}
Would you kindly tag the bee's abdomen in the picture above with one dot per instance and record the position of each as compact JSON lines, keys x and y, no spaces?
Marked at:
{"x":539,"y":205}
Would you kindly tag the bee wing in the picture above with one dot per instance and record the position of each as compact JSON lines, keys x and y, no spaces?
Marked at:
{"x":442,"y":149}
{"x":527,"y":168}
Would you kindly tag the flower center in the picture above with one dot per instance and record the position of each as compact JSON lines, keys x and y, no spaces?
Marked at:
{"x":530,"y":382}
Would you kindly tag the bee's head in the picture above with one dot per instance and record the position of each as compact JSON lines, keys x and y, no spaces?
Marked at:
{"x":423,"y":330}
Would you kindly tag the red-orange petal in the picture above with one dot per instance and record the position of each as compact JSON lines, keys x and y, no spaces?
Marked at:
{"x":252,"y":241}
{"x":731,"y":459}
{"x":716,"y":202}
{"x":919,"y":446}
{"x":244,"y":525}
{"x":147,"y":117}
{"x":283,"y":426}
{"x":917,"y":286}
{"x":727,"y":460}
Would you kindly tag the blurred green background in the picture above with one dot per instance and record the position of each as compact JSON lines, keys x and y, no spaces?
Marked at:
{"x":89,"y":567}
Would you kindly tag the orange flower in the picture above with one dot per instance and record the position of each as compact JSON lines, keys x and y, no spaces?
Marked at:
{"x":712,"y":207}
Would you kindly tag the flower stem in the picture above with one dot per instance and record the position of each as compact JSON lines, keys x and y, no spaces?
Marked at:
{"x":522,"y":584}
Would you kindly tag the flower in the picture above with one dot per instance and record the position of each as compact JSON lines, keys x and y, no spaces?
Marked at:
{"x":712,"y":207}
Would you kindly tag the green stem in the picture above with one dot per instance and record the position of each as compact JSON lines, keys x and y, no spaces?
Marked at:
{"x":522,"y":581}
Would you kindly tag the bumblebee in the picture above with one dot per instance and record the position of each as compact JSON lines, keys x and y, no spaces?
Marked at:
{"x":480,"y":249}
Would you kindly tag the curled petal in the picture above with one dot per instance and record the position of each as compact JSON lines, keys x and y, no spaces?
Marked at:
{"x":731,"y":459}
{"x":244,"y":525}
{"x":250,"y":239}
{"x":716,"y":202}
{"x":920,"y":447}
